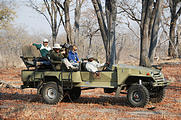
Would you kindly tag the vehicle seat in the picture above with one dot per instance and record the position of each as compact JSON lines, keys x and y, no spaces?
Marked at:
{"x":83,"y":65}
{"x":29,"y":53}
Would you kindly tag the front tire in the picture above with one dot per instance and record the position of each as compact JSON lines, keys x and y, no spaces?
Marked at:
{"x":158,"y":95}
{"x":138,"y":95}
{"x":52,"y":93}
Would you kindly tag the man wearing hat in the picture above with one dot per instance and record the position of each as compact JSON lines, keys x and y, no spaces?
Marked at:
{"x":44,"y":48}
{"x":92,"y":65}
{"x":57,"y":56}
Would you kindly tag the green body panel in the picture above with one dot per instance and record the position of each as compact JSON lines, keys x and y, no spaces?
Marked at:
{"x":105,"y":79}
{"x":39,"y":75}
{"x":108,"y":79}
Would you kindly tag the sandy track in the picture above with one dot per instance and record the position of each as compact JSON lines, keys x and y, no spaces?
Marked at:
{"x":93,"y":104}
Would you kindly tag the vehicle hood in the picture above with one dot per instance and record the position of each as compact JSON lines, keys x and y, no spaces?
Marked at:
{"x":137,"y":68}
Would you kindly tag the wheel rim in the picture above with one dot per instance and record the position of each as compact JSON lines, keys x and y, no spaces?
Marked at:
{"x":51,"y":93}
{"x":136,"y":96}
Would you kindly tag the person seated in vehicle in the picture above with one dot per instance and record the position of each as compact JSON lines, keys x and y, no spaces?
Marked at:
{"x":66,"y":47}
{"x":92,"y":65}
{"x":73,"y":56}
{"x":57,"y":57}
{"x":44,"y":48}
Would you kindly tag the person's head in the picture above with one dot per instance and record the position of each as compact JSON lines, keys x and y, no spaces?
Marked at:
{"x":90,"y":58}
{"x":57,"y":48}
{"x":74,"y":48}
{"x":71,"y":48}
{"x":45,"y":42}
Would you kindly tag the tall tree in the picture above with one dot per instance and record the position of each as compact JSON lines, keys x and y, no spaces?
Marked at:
{"x":150,"y":19}
{"x":52,"y":18}
{"x":67,"y":21}
{"x":56,"y":11}
{"x":173,"y":4}
{"x":107,"y":30}
{"x":179,"y":40}
{"x":77,"y":19}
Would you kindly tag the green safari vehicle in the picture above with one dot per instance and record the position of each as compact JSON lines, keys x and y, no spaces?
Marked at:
{"x":140,"y":83}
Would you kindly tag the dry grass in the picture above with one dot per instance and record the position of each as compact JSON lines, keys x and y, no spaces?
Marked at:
{"x":93,"y":104}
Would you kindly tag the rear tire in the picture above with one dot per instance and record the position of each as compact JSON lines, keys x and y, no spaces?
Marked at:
{"x":51,"y":93}
{"x":74,"y":94}
{"x":138,"y":95}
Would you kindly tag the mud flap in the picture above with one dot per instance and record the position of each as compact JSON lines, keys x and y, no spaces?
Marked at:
{"x":118,"y":90}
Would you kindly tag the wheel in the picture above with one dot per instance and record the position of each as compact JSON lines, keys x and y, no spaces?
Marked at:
{"x":158,"y":95}
{"x":138,"y":96}
{"x":52,"y":93}
{"x":74,"y":94}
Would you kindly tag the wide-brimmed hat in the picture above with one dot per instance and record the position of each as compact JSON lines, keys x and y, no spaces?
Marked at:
{"x":90,"y":56}
{"x":45,"y":40}
{"x":57,"y":46}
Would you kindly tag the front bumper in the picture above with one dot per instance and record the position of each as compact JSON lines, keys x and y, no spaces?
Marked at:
{"x":161,"y":83}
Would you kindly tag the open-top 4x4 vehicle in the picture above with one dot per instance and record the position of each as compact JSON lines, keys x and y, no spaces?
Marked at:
{"x":140,"y":83}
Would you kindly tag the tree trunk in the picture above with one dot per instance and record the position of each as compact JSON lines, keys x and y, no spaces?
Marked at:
{"x":77,"y":21}
{"x":155,"y":30}
{"x":150,"y":20}
{"x":173,"y":4}
{"x":54,"y":37}
{"x":172,"y":47}
{"x":111,"y":12}
{"x":67,"y":21}
{"x":90,"y":44}
{"x":107,"y":32}
{"x":104,"y":32}
{"x":179,"y":40}
{"x":145,"y":20}
{"x":54,"y":22}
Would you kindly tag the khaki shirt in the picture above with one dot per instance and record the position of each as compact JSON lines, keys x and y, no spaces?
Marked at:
{"x":93,"y":66}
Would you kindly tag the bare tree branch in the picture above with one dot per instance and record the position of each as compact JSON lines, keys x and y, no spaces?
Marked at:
{"x":39,"y":11}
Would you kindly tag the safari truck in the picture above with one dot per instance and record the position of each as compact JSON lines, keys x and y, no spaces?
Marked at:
{"x":141,"y":84}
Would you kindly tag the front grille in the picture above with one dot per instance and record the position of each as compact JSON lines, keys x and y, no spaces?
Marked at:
{"x":159,"y":80}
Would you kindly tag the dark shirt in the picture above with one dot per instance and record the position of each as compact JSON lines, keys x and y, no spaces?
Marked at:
{"x":55,"y":56}
{"x":43,"y":50}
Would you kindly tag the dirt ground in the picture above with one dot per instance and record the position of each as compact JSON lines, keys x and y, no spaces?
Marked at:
{"x":93,"y":104}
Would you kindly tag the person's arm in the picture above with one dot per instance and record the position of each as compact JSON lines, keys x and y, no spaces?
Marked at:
{"x":38,"y":46}
{"x":90,"y":68}
{"x":99,"y":65}
{"x":77,"y":58}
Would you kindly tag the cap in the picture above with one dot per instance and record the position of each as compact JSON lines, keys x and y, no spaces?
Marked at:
{"x":45,"y":40}
{"x":90,"y":56}
{"x":57,"y":46}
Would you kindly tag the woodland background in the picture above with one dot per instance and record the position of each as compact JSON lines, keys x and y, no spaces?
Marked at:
{"x":135,"y":32}
{"x":76,"y":22}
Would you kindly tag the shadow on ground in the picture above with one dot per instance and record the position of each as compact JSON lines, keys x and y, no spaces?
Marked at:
{"x":23,"y":97}
{"x":102,"y":100}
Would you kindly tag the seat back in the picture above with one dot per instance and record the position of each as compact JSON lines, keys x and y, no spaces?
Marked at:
{"x":30,"y":51}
